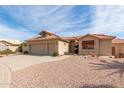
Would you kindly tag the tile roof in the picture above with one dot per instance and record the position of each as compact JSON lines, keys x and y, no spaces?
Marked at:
{"x":52,"y":36}
{"x":45,"y":31}
{"x":118,"y":41}
{"x":12,"y":41}
{"x":72,"y":38}
{"x":100,"y":36}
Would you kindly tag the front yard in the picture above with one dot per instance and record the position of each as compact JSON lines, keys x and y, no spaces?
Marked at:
{"x":75,"y":71}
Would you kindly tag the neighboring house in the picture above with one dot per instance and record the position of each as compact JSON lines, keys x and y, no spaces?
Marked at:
{"x":9,"y":44}
{"x":117,"y":47}
{"x":47,"y":44}
{"x":89,"y":44}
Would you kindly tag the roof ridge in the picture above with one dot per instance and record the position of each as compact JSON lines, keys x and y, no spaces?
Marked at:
{"x":104,"y":35}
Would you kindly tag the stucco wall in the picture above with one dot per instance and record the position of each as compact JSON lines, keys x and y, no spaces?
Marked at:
{"x":105,"y":47}
{"x":25,"y":48}
{"x":3,"y":47}
{"x":13,"y":48}
{"x":63,"y":47}
{"x":89,"y":51}
{"x":119,"y":48}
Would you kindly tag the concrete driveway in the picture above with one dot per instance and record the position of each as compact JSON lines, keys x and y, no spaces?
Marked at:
{"x":13,"y":63}
{"x":5,"y":75}
{"x":18,"y":62}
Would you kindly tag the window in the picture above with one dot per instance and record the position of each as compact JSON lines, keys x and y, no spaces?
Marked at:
{"x":88,"y":44}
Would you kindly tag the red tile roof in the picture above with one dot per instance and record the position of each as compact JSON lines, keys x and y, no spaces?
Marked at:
{"x":100,"y":36}
{"x":72,"y":38}
{"x":51,"y":36}
{"x":118,"y":41}
{"x":45,"y":31}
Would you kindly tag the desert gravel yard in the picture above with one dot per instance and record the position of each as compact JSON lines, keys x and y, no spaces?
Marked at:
{"x":75,"y":71}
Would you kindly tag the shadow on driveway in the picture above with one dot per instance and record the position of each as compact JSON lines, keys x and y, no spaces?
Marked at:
{"x":113,"y":65}
{"x":96,"y":86}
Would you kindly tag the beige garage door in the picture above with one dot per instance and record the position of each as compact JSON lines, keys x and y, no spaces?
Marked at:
{"x":44,"y":49}
{"x":39,"y":49}
{"x":51,"y":48}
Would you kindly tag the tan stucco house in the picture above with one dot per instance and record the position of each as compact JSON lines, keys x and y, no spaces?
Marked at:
{"x":90,"y":44}
{"x":47,"y":43}
{"x":11,"y":44}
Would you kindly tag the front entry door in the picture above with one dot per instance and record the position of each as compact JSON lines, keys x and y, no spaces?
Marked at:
{"x":113,"y":51}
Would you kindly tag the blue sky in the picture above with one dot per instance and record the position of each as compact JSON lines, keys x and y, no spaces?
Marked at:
{"x":22,"y":22}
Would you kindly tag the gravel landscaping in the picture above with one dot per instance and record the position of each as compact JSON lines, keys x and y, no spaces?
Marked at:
{"x":74,"y":72}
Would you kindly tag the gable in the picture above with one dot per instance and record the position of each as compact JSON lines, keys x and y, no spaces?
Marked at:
{"x":89,"y":37}
{"x":100,"y":36}
{"x":45,"y":35}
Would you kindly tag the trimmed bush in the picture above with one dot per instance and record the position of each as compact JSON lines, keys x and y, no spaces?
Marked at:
{"x":55,"y":54}
{"x":6,"y":52}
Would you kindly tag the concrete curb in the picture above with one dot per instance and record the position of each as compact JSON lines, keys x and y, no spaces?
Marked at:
{"x":5,"y":75}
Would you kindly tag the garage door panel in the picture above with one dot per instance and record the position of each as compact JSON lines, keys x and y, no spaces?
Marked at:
{"x":35,"y":49}
{"x":38,"y":49}
{"x":43,"y":49}
{"x":51,"y":48}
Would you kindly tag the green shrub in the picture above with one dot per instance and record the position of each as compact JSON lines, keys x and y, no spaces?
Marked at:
{"x":6,"y":52}
{"x":55,"y":54}
{"x":20,"y":48}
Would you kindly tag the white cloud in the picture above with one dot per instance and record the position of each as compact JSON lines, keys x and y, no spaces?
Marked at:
{"x":53,"y":18}
{"x":14,"y":33}
{"x":59,"y":19}
{"x":108,"y":20}
{"x":40,"y":17}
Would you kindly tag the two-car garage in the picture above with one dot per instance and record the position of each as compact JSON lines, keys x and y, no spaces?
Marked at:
{"x":47,"y":44}
{"x":43,"y":48}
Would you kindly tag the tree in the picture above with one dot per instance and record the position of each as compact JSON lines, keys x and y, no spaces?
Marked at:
{"x":20,"y":48}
